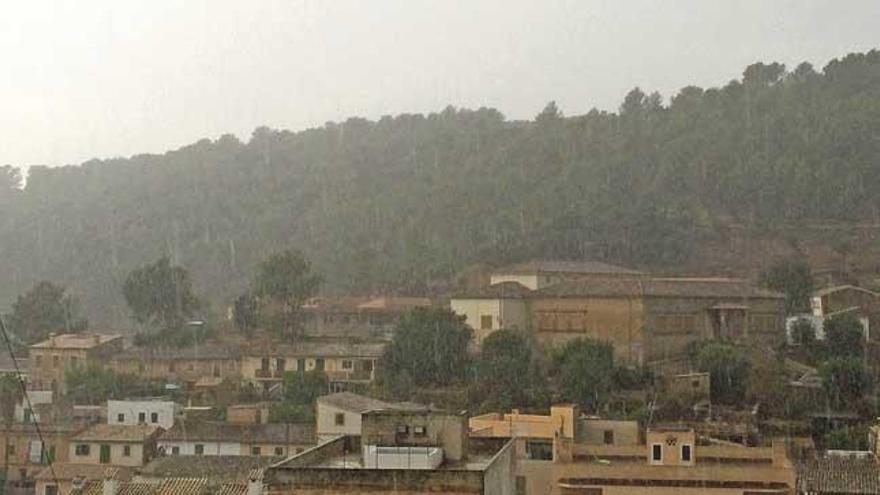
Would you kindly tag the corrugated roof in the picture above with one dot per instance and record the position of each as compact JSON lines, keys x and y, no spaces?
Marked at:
{"x":551,"y":266}
{"x":839,"y":475}
{"x":116,"y":433}
{"x":76,"y":341}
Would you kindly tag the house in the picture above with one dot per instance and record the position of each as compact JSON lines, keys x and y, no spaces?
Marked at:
{"x":26,"y":455}
{"x":181,"y":366}
{"x":207,"y":438}
{"x":833,"y":475}
{"x":419,"y":451}
{"x":158,"y":412}
{"x":340,"y":413}
{"x":538,"y":274}
{"x":115,"y":445}
{"x":670,"y":461}
{"x":864,"y":303}
{"x":691,"y":387}
{"x":364,"y":318}
{"x":29,"y":408}
{"x":52,"y":358}
{"x":500,"y":305}
{"x":67,"y":478}
{"x":346,"y":364}
{"x":222,"y":468}
{"x":248,"y":414}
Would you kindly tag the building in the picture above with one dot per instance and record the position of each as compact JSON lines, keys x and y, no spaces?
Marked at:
{"x":346,"y":364}
{"x":226,"y":469}
{"x":52,"y":358}
{"x":168,"y":486}
{"x":500,"y":305}
{"x":114,"y":445}
{"x":864,"y":303}
{"x":340,"y":413}
{"x":67,"y":478}
{"x":364,"y":318}
{"x":156,"y":412}
{"x":690,"y":387}
{"x":671,"y":461}
{"x":538,"y":274}
{"x":25,"y":455}
{"x":838,"y":476}
{"x":207,"y":438}
{"x":248,"y":414}
{"x":400,"y":451}
{"x":29,"y":409}
{"x":183,"y":366}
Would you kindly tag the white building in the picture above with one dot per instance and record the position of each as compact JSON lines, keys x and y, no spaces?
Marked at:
{"x":148,"y":411}
{"x":340,"y":414}
{"x":35,"y":399}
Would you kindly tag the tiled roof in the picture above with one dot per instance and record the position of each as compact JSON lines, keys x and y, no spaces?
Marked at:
{"x":69,"y":471}
{"x":353,"y":402}
{"x":839,"y":475}
{"x":207,"y":351}
{"x":170,"y":486}
{"x":657,"y":287}
{"x":388,"y":304}
{"x":502,"y":290}
{"x":550,"y":266}
{"x":227,"y":468}
{"x":76,"y":341}
{"x":245,"y":433}
{"x":116,"y":433}
{"x":321,"y":349}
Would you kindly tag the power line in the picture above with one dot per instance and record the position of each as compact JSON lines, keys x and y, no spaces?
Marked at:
{"x":28,"y":400}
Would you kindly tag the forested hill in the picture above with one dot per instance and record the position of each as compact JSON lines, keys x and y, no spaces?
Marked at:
{"x":406,"y":202}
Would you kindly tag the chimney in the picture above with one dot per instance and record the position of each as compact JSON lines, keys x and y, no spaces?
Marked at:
{"x":111,"y":485}
{"x":255,"y":483}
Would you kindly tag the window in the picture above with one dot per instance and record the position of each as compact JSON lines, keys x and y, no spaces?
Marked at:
{"x":299,"y":450}
{"x":402,"y":429}
{"x":82,"y":449}
{"x":56,"y":361}
{"x":126,"y":451}
{"x":339,"y":419}
{"x":695,"y":384}
{"x":50,"y":455}
{"x":200,"y":449}
{"x":256,"y":450}
{"x":609,"y":437}
{"x":346,"y":364}
{"x":51,"y":490}
{"x":175,"y":450}
{"x":39,"y":360}
{"x":264,"y":364}
{"x":280,"y":364}
{"x":419,"y":431}
{"x":217,"y":370}
{"x":368,"y":365}
{"x":485,"y":322}
{"x":104,"y":454}
{"x":686,"y":453}
{"x":656,"y":453}
{"x":300,"y":365}
{"x":10,"y":449}
{"x":120,"y":418}
{"x":279,"y":451}
{"x":74,"y":361}
{"x":142,"y":417}
{"x":319,"y":364}
{"x":154,"y":417}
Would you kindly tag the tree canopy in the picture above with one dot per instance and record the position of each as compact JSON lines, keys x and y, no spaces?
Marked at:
{"x":45,"y":308}
{"x":585,"y":371}
{"x":286,"y":279}
{"x":506,"y":373}
{"x":160,"y":295}
{"x":389,"y":205}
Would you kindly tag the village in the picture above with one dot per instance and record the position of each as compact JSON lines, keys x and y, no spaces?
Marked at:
{"x":268,"y":414}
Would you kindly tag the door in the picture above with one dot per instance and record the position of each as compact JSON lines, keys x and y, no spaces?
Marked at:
{"x":105,"y":454}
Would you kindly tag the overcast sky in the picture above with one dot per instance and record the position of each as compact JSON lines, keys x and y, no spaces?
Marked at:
{"x":84,"y":79}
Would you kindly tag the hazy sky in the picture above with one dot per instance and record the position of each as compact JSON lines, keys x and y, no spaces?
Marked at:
{"x":83,"y":79}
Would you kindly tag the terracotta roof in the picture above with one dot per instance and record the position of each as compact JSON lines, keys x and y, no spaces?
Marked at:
{"x":351,"y":304}
{"x":502,"y":290}
{"x":224,"y":468}
{"x":233,"y":489}
{"x":837,"y":288}
{"x":321,"y":349}
{"x":550,"y":266}
{"x":839,"y":475}
{"x":244,"y":433}
{"x":353,"y":402}
{"x":170,"y":486}
{"x":200,"y":352}
{"x":116,"y":433}
{"x":69,"y":471}
{"x":76,"y":341}
{"x":657,"y":287}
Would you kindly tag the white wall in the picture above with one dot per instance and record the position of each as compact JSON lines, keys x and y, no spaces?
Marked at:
{"x":211,"y":448}
{"x":167,"y":411}
{"x":36,"y":398}
{"x":326,"y":422}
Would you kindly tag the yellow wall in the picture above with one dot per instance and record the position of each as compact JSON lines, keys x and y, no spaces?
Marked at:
{"x":509,"y":314}
{"x":618,"y":321}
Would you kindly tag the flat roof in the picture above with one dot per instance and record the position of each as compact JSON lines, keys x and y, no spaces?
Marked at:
{"x":76,"y":341}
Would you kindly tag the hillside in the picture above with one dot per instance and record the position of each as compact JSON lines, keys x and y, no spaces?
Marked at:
{"x":405,"y":203}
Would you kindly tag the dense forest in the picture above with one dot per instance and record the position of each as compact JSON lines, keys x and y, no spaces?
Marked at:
{"x":405,"y":203}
